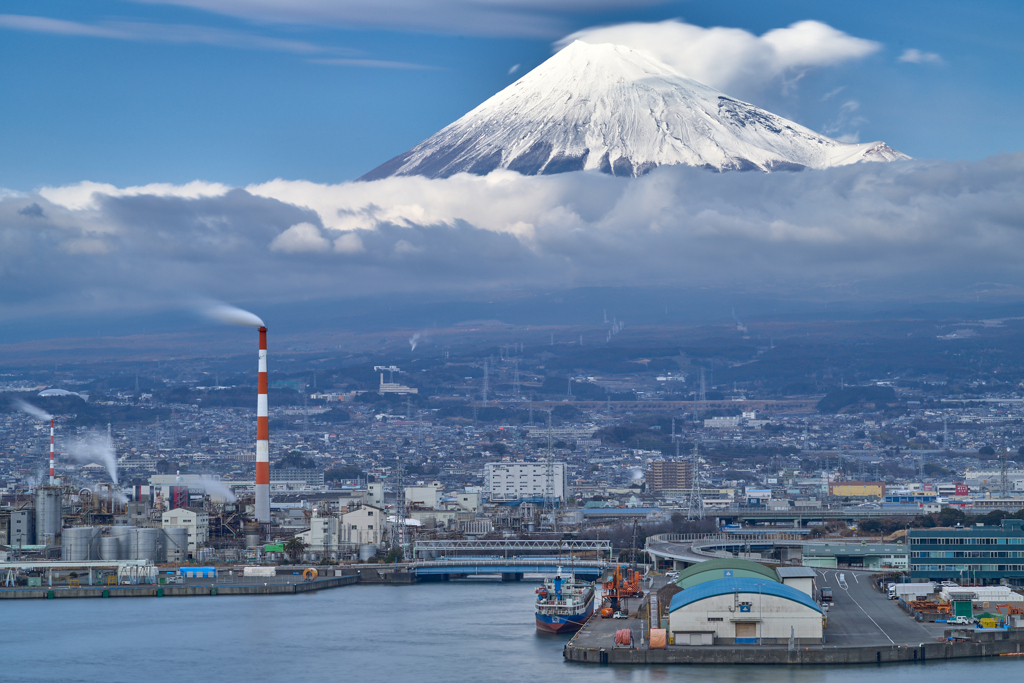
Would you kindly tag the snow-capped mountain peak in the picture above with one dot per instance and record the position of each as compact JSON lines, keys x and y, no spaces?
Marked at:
{"x":614,"y":109}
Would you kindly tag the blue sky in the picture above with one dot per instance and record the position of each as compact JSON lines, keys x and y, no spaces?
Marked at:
{"x":130,"y":93}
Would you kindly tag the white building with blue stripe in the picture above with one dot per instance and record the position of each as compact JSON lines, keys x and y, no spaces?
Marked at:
{"x":744,"y":610}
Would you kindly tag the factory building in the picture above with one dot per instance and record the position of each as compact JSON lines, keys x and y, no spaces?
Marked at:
{"x":23,"y":528}
{"x":856,"y":489}
{"x":744,"y":611}
{"x":669,"y":475}
{"x":362,"y":526}
{"x":313,"y":478}
{"x":980,"y":555}
{"x":424,"y":496}
{"x":505,"y":481}
{"x":196,"y":522}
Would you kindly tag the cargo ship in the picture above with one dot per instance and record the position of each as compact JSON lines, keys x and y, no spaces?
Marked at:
{"x":564,"y":604}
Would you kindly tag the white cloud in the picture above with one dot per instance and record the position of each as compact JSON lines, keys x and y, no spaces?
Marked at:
{"x":84,"y":195}
{"x":925,"y":228}
{"x":349,"y":243}
{"x":512,"y":69}
{"x":732,"y":59}
{"x":915,"y":56}
{"x":301,"y":237}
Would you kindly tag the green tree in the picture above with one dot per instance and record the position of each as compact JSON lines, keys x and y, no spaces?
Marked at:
{"x":294,"y":548}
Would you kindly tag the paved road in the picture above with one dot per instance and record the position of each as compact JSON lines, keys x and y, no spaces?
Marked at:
{"x":863,"y":615}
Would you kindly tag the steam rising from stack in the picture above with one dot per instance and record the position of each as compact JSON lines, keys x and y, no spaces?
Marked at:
{"x":40,"y":414}
{"x":27,"y":407}
{"x":217,"y":490}
{"x":233,"y":316}
{"x":95,"y":448}
{"x":236,"y":316}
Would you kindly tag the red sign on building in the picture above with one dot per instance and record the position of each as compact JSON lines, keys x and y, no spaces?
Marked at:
{"x":962,"y":490}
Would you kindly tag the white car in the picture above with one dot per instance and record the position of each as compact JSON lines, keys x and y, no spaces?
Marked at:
{"x":620,"y":615}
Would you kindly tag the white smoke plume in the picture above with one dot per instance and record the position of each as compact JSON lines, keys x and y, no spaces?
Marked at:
{"x":217,"y":490}
{"x":232,"y":315}
{"x":414,"y":340}
{"x":27,"y":407}
{"x":95,"y":448}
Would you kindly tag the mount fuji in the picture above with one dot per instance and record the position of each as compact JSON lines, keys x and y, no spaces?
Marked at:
{"x":613,"y":109}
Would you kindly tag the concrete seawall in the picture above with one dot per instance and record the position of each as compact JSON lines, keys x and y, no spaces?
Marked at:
{"x":986,"y":644}
{"x":151,"y":590}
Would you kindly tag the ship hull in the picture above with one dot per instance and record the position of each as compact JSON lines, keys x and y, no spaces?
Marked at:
{"x":564,"y":623}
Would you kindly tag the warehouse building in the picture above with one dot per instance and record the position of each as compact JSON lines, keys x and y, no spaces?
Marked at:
{"x":744,"y":611}
{"x":728,"y":568}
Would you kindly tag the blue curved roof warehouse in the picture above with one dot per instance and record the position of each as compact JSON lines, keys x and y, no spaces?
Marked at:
{"x":710,"y":589}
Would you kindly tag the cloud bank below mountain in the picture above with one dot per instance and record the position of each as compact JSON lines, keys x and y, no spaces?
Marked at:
{"x":915,"y":229}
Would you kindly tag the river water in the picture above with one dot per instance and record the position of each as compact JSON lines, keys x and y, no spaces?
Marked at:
{"x":451,"y":632}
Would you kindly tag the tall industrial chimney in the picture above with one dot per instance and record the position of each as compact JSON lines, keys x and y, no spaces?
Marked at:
{"x":262,"y":439}
{"x":53,"y":479}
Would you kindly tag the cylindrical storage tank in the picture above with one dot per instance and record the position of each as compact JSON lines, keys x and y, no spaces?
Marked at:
{"x":176,"y":543}
{"x":48,"y":521}
{"x":145,"y":544}
{"x":124,"y":536}
{"x":252,"y":535}
{"x":366,"y":552}
{"x":75,"y":543}
{"x":94,"y":543}
{"x":110,"y":548}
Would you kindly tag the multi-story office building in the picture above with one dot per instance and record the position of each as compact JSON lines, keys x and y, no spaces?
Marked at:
{"x":515,"y":480}
{"x":669,"y":475}
{"x":979,"y":555}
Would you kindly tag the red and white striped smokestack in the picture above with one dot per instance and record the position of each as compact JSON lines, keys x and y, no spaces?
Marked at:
{"x":262,"y":439}
{"x":53,"y":480}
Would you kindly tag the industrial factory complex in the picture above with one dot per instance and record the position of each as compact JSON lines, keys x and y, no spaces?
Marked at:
{"x":754,"y":529}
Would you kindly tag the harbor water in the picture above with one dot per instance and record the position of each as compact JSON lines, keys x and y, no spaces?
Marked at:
{"x":450,"y":632}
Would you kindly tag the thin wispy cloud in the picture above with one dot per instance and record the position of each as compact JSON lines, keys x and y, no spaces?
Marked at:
{"x":372,"y":63}
{"x":522,"y":18}
{"x":915,"y":56}
{"x":512,"y":69}
{"x":157,"y":33}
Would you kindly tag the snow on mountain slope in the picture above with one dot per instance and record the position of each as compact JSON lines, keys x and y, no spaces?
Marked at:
{"x":611,"y":108}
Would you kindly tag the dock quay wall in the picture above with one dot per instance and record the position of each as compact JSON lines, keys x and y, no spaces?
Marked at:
{"x":151,"y":590}
{"x":985,"y":644}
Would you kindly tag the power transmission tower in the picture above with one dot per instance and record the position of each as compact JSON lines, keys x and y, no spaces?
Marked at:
{"x":695,"y":504}
{"x":484,"y":401}
{"x":515,"y":379}
{"x":702,"y":401}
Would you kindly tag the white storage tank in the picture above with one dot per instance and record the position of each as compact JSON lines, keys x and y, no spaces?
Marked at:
{"x":367,"y":551}
{"x":124,"y":535}
{"x":110,"y":548}
{"x":48,"y":520}
{"x":144,"y":544}
{"x":76,"y":543}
